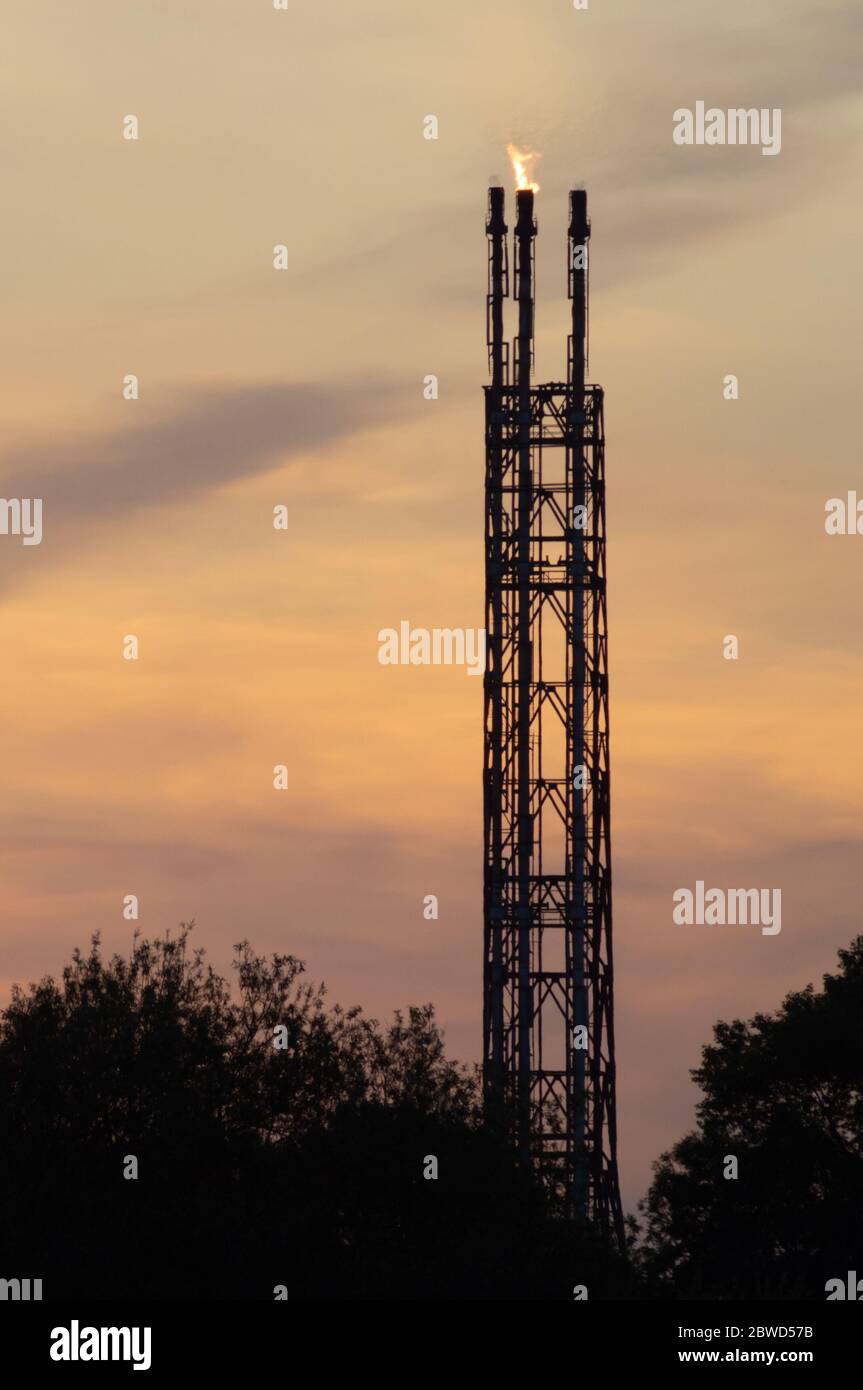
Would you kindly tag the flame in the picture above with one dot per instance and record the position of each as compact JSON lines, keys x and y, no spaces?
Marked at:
{"x":522,"y":164}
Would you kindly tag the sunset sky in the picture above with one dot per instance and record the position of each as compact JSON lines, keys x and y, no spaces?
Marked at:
{"x":304,"y":387}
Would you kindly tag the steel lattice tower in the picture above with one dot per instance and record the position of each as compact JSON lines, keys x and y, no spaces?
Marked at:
{"x":548,"y":1005}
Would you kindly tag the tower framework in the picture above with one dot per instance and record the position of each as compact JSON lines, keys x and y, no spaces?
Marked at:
{"x":548,"y":1001}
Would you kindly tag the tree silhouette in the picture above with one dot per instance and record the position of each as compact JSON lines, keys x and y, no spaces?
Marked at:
{"x":783,"y":1093}
{"x":258,"y":1166}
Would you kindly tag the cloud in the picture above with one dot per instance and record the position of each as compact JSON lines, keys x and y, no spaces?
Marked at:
{"x":208,"y":436}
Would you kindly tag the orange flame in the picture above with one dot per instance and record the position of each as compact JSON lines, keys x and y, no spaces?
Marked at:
{"x":522,"y":164}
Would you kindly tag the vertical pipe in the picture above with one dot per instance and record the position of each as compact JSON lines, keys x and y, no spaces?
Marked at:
{"x":496,"y":230}
{"x":579,"y":232}
{"x":525,"y":231}
{"x":493,"y":964}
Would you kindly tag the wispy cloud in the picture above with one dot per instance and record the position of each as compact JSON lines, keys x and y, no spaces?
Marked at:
{"x":206,"y":437}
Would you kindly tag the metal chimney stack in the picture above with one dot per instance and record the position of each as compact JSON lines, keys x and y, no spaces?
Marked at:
{"x":548,"y":1004}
